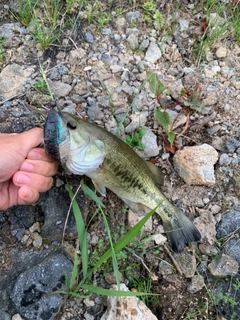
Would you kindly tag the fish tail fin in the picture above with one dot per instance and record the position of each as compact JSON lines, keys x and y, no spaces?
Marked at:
{"x":180,"y":231}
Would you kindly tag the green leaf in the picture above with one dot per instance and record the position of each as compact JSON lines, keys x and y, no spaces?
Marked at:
{"x":171,"y":137}
{"x":91,"y":194}
{"x":113,"y":293}
{"x":134,"y":140}
{"x":155,"y":85}
{"x":74,"y":271}
{"x":163,"y":118}
{"x":82,"y":234}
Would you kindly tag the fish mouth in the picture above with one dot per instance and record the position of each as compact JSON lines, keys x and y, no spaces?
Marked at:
{"x":55,"y":132}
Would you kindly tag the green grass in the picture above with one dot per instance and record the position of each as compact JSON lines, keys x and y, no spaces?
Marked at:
{"x":2,"y":55}
{"x":226,"y":23}
{"x":83,"y":287}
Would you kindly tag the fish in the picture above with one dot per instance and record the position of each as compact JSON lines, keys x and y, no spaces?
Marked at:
{"x":84,"y":148}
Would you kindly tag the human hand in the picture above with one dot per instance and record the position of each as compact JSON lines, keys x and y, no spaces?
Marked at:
{"x":25,"y":170}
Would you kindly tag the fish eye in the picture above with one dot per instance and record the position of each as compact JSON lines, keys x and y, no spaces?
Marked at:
{"x":71,"y":125}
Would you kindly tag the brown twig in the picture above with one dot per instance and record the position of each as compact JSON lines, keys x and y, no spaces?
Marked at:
{"x":173,"y":260}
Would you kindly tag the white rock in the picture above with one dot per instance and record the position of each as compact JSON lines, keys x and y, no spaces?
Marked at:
{"x":153,"y":53}
{"x":149,"y":140}
{"x":221,"y":52}
{"x":159,"y":239}
{"x":206,"y":224}
{"x":195,"y":164}
{"x":12,"y":78}
{"x":17,"y":317}
{"x":126,"y":308}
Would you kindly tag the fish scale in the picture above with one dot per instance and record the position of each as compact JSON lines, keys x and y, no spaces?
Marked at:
{"x":85,"y":148}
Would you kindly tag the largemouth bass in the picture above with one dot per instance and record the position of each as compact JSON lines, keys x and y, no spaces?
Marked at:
{"x":84,"y":148}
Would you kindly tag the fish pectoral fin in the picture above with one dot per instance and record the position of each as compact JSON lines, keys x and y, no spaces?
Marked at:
{"x":156,"y":172}
{"x":138,"y":208}
{"x":99,"y":187}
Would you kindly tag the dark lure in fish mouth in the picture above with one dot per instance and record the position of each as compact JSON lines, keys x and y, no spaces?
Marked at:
{"x":54,"y":133}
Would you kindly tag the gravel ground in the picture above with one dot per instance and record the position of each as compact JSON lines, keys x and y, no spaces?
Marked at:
{"x":98,"y":73}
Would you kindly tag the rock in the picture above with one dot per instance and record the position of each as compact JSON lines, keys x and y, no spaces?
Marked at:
{"x":77,"y":54}
{"x":59,"y":88}
{"x":133,"y":41}
{"x":187,"y":263}
{"x":5,"y":316}
{"x":230,"y":223}
{"x":132,"y":15}
{"x":144,"y":44}
{"x":232,"y":144}
{"x":183,"y":25}
{"x":55,"y":204}
{"x":227,"y":298}
{"x":195,"y":164}
{"x":17,"y":317}
{"x":159,"y":239}
{"x":116,"y":68}
{"x":209,"y":250}
{"x":232,"y":248}
{"x":196,"y":284}
{"x":89,"y":37}
{"x":206,"y":224}
{"x":134,"y":218}
{"x":166,"y":268}
{"x":83,"y":88}
{"x":221,"y":52}
{"x":223,"y":266}
{"x":110,"y":277}
{"x":94,"y":113}
{"x":153,"y":53}
{"x":121,"y":24}
{"x":215,"y":209}
{"x":12,"y":78}
{"x":224,"y":159}
{"x":127,"y":88}
{"x":219,"y":144}
{"x":178,"y":120}
{"x":106,"y":31}
{"x":149,"y":140}
{"x":211,"y":99}
{"x":32,"y":291}
{"x":119,"y":308}
{"x":138,"y":120}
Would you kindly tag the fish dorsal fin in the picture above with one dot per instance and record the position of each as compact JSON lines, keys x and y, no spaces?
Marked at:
{"x":156,"y":173}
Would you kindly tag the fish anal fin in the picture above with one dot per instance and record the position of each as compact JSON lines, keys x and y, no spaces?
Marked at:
{"x":156,"y":173}
{"x":138,"y":208}
{"x":99,"y":187}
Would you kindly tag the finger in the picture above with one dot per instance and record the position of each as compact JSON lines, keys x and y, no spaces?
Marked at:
{"x":27,"y":195}
{"x":38,"y":154}
{"x":30,"y":139}
{"x":32,"y":180}
{"x":45,"y":168}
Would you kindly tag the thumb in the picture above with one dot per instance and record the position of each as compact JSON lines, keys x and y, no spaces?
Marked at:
{"x":31,"y":139}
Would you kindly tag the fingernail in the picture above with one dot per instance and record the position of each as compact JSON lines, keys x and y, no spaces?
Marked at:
{"x":23,"y":179}
{"x":27,"y":166}
{"x":34,"y":155}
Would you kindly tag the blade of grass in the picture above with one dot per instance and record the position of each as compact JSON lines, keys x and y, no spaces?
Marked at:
{"x":114,"y":293}
{"x":82,"y":234}
{"x":114,"y":259}
{"x":91,"y":194}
